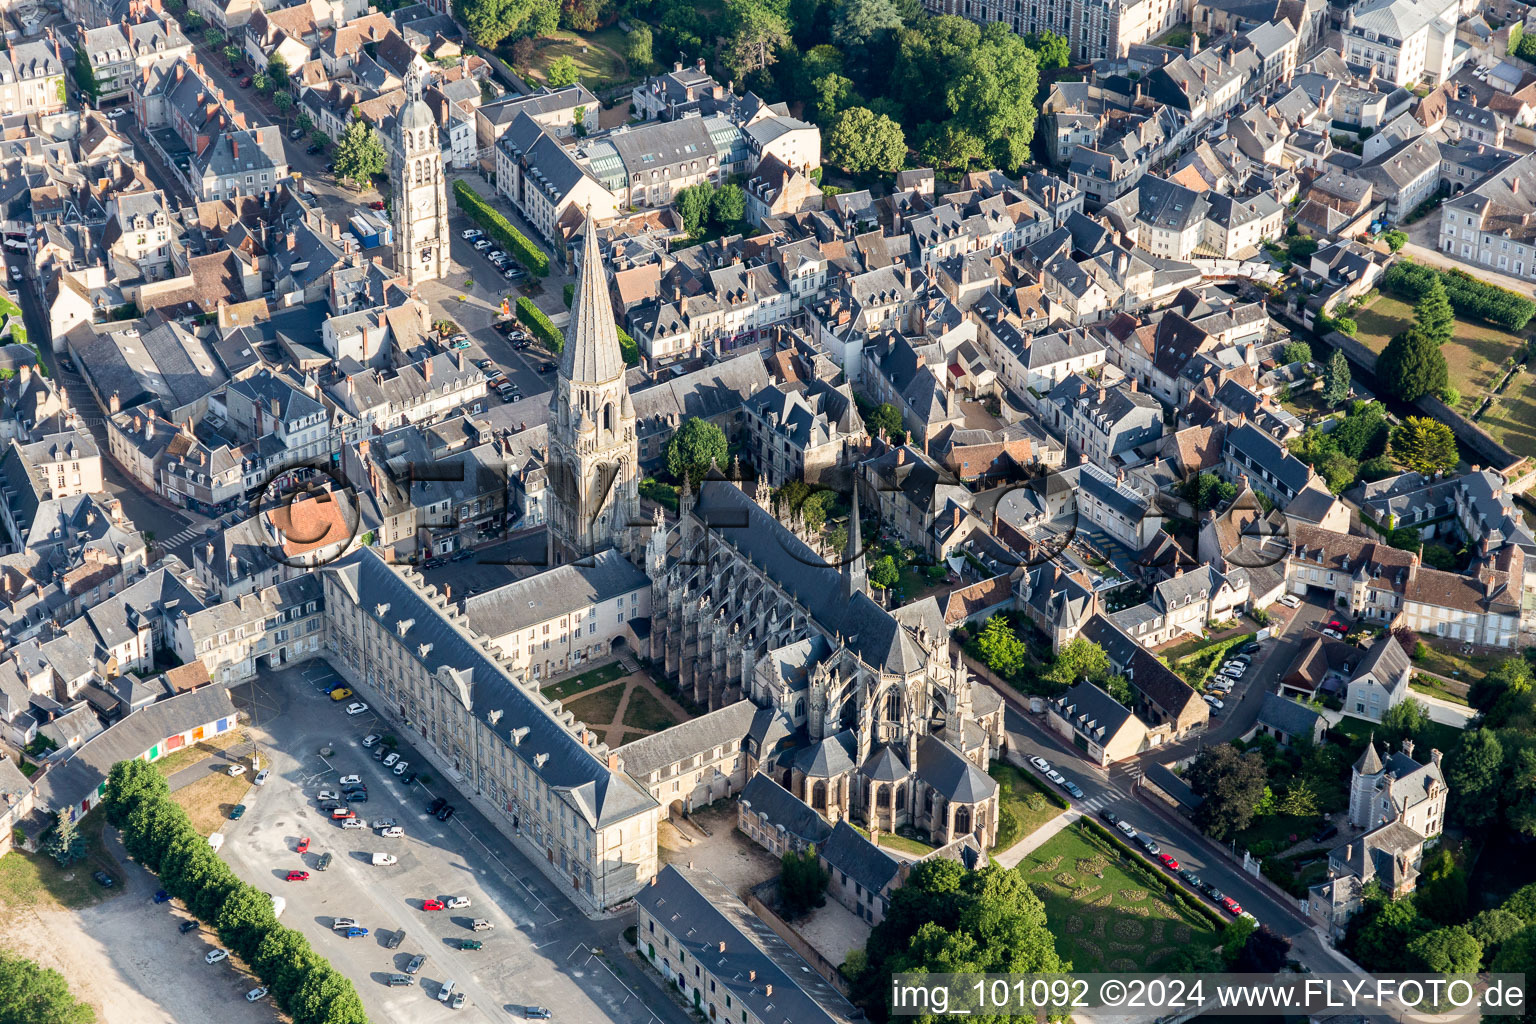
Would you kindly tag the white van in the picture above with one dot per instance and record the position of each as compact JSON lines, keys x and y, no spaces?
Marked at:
{"x":445,"y":992}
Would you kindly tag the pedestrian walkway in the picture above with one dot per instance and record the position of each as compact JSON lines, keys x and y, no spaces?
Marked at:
{"x":1010,"y":857}
{"x":191,"y":533}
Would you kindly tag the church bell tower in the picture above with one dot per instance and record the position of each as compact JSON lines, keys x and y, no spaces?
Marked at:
{"x":594,"y":455}
{"x":420,"y":193}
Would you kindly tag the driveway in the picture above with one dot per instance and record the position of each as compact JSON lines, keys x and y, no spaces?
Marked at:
{"x":540,"y":951}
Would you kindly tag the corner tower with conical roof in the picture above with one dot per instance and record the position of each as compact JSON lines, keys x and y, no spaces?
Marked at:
{"x":420,"y":192}
{"x":594,"y":456}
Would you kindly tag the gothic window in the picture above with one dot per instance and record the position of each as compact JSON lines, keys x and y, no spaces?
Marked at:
{"x":608,"y":417}
{"x":799,"y":707}
{"x":893,"y":705}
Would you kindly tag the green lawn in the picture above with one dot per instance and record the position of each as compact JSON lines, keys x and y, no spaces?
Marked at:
{"x":597,"y":56}
{"x":916,"y":847}
{"x":35,"y":880}
{"x":585,"y":681}
{"x":1511,"y":419}
{"x":1278,"y":828}
{"x":209,"y":801}
{"x":1448,"y":661}
{"x":1106,"y":913}
{"x":1433,"y":687}
{"x":597,"y":708}
{"x":1474,"y":356}
{"x":1436,"y":736}
{"x":1020,"y":793}
{"x":646,"y":712}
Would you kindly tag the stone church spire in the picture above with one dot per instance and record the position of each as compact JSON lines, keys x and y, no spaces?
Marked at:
{"x":593,"y":451}
{"x":854,"y":579}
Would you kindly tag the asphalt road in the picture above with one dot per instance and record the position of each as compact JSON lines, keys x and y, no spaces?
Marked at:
{"x":540,"y":952}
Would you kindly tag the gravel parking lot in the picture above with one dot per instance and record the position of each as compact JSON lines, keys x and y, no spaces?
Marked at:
{"x":539,"y":952}
{"x":127,"y":958}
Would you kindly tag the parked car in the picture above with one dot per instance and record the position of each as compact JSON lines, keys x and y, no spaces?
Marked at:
{"x":354,"y":823}
{"x":262,"y":776}
{"x":298,"y":876}
{"x":1214,"y":701}
{"x":103,"y":879}
{"x":356,"y":933}
{"x":1127,"y":830}
{"x":356,"y":709}
{"x":115,"y":113}
{"x":458,"y":1000}
{"x":312,"y":149}
{"x":161,"y":896}
{"x":342,"y":814}
{"x":416,"y":963}
{"x":1041,"y":763}
{"x":536,"y":1012}
{"x":296,"y":132}
{"x":1231,"y":906}
{"x":1150,"y":845}
{"x":303,"y":846}
{"x":215,"y":955}
{"x":384,"y":860}
{"x":393,"y":832}
{"x":237,"y":813}
{"x":401,"y":980}
{"x":245,"y":83}
{"x":385,"y":823}
{"x":1168,"y":861}
{"x":328,"y":794}
{"x":390,"y":759}
{"x":469,"y":233}
{"x":395,"y":938}
{"x":482,"y":925}
{"x":457,"y":902}
{"x":431,"y":904}
{"x":377,"y":204}
{"x":1056,"y":776}
{"x":1215,"y":893}
{"x":324,"y":862}
{"x":351,"y":780}
{"x":471,"y":944}
{"x":437,"y":804}
{"x":445,"y":813}
{"x":408,"y":778}
{"x":1291,"y":601}
{"x":1249,"y":647}
{"x":1192,"y":878}
{"x":340,"y":923}
{"x":1325,"y":834}
{"x":1109,"y":815}
{"x":1072,"y":790}
{"x":510,"y":275}
{"x":188,"y":926}
{"x":340,"y":693}
{"x":482,"y":244}
{"x":370,"y":739}
{"x":233,"y":770}
{"x":401,"y":767}
{"x":1333,"y":634}
{"x":357,"y":796}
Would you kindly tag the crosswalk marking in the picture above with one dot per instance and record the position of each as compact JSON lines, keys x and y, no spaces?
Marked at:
{"x":190,"y":533}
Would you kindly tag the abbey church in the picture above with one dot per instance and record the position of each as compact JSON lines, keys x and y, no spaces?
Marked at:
{"x":865,"y":712}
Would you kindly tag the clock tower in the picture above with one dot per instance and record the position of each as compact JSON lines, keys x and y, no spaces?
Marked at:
{"x":594,"y":454}
{"x":420,"y":193}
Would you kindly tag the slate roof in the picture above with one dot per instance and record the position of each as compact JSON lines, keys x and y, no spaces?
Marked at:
{"x":595,"y":792}
{"x":744,"y":955}
{"x":545,"y":595}
{"x":784,"y":809}
{"x":1288,"y":716}
{"x":1093,"y":712}
{"x":726,"y":727}
{"x":858,"y":858}
{"x":950,"y":774}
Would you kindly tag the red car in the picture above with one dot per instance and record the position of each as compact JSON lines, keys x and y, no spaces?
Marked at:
{"x":1168,"y":861}
{"x":304,"y":845}
{"x":1336,"y":624}
{"x":245,"y":83}
{"x":377,"y":204}
{"x":342,"y":814}
{"x":431,"y":904}
{"x":1231,"y":906}
{"x":298,"y":876}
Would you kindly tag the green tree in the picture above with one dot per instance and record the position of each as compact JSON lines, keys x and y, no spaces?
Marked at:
{"x":696,"y":446}
{"x":1474,"y":771}
{"x":1296,"y":352}
{"x":1395,"y":239}
{"x":1433,"y":314}
{"x":1493,"y":928}
{"x":261,"y":82}
{"x":637,"y":48}
{"x":1299,"y":800}
{"x":151,"y":828}
{"x":1080,"y":658}
{"x":277,"y":72}
{"x":318,"y":989}
{"x":1265,"y":952}
{"x":1404,"y":721}
{"x":1380,"y":932}
{"x":729,"y":205}
{"x":232,"y":54}
{"x":360,"y":153}
{"x":802,"y":882}
{"x":1336,"y":379}
{"x":304,"y":122}
{"x":1207,"y":490}
{"x":1338,"y":471}
{"x":1412,"y":365}
{"x":885,"y":421}
{"x":320,"y":140}
{"x":543,"y":22}
{"x":994,"y":96}
{"x":948,"y":146}
{"x":1231,"y":783}
{"x":1119,"y":687}
{"x":1425,"y":445}
{"x":1519,"y":796}
{"x":30,"y":994}
{"x":65,"y":844}
{"x":1451,"y":950}
{"x":862,"y":141}
{"x":1442,"y":891}
{"x":244,"y":920}
{"x":760,"y":31}
{"x":562,"y":72}
{"x":491,"y":21}
{"x":834,"y":93}
{"x":856,"y":23}
{"x":213,"y":38}
{"x":1001,"y":647}
{"x":694,"y":204}
{"x":192,"y":22}
{"x":283,"y":101}
{"x":1234,"y":937}
{"x":883,"y":573}
{"x":282,"y":956}
{"x":1051,"y":50}
{"x":130,"y":783}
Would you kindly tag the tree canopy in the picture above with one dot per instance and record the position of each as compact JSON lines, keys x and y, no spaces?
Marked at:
{"x":760,"y":29}
{"x":1412,"y":366}
{"x":30,"y":994}
{"x":491,"y":21}
{"x":1433,"y":314}
{"x":1425,"y":445}
{"x":862,"y":141}
{"x":1080,"y":658}
{"x":1336,"y":378}
{"x":562,"y":72}
{"x":1231,"y":783}
{"x":696,"y":445}
{"x":1474,"y":771}
{"x":1001,"y":647}
{"x":360,"y":153}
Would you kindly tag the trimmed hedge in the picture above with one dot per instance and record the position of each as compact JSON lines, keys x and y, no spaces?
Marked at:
{"x":1178,"y":895}
{"x":158,"y":834}
{"x":541,"y":326}
{"x":488,"y":217}
{"x":1469,"y":296}
{"x":628,"y":347}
